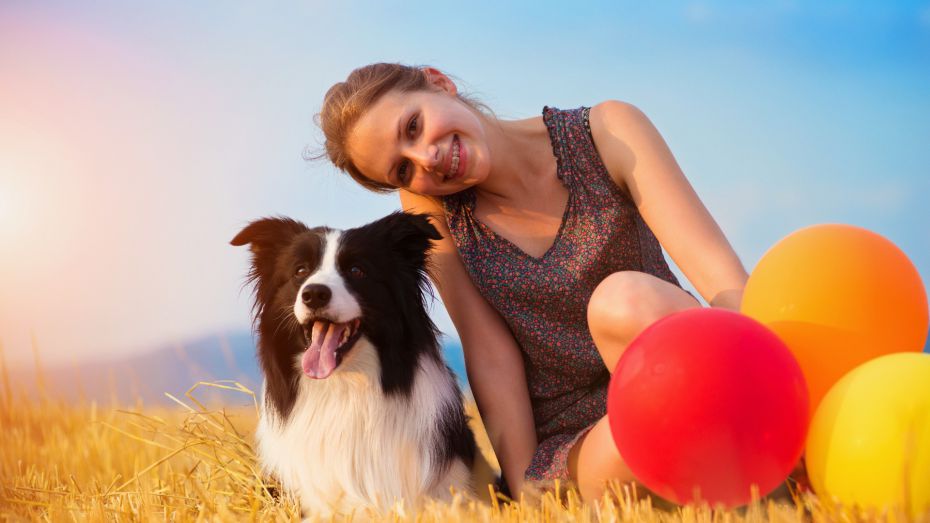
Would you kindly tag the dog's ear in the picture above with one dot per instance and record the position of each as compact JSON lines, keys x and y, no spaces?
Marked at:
{"x":421,"y":222}
{"x":410,"y":230}
{"x":268,"y":234}
{"x":406,"y":224}
{"x":408,"y":234}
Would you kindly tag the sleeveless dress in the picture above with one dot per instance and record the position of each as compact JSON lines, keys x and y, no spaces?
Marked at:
{"x":544,"y":300}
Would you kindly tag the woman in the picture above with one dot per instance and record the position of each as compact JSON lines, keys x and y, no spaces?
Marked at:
{"x":550,"y":262}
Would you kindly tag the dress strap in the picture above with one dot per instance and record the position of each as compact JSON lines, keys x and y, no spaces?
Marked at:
{"x":586,"y":118}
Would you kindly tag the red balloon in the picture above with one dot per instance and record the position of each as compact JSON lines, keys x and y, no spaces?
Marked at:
{"x":704,"y":404}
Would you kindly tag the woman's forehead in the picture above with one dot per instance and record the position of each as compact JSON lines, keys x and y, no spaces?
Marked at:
{"x":380,"y":118}
{"x":373,"y":138}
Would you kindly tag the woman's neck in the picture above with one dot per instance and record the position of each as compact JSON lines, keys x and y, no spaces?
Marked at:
{"x":521,"y":157}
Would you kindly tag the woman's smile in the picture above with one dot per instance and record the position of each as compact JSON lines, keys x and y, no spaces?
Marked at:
{"x":457,"y":161}
{"x":439,"y":146}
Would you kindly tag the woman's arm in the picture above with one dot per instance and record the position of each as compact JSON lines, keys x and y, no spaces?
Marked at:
{"x":492,"y":358}
{"x":640,"y":162}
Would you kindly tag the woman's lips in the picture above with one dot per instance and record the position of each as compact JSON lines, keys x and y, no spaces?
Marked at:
{"x":462,"y":159}
{"x":460,"y":168}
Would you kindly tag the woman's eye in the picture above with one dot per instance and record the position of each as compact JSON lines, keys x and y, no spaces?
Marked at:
{"x":402,"y":175}
{"x":402,"y":169}
{"x":356,"y":272}
{"x":301,"y":271}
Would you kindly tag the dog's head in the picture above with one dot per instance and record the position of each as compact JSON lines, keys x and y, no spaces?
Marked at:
{"x":320,"y":292}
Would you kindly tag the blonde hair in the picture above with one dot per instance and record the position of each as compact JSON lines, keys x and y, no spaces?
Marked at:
{"x":345,"y":102}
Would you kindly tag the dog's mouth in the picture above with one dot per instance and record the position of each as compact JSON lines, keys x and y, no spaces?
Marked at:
{"x":327,"y":343}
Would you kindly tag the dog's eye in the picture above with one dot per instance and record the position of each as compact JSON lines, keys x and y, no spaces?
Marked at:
{"x":356,"y":272}
{"x":301,"y":272}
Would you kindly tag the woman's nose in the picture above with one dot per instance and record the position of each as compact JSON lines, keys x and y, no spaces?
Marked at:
{"x":426,"y":156}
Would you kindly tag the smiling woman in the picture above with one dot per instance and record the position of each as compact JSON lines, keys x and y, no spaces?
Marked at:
{"x":347,"y":113}
{"x":433,"y":133}
{"x":550,"y":260}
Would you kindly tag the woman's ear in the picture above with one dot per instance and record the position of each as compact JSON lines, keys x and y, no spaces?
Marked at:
{"x":438,"y":79}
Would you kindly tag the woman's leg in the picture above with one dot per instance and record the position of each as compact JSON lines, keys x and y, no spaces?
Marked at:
{"x":627,"y":302}
{"x":622,"y":305}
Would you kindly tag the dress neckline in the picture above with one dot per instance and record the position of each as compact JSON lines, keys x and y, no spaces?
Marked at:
{"x":470,"y":199}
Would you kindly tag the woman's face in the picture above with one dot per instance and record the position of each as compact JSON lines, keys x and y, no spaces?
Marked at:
{"x":427,"y":142}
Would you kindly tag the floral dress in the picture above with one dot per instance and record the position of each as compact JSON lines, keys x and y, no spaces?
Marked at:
{"x":544,"y":300}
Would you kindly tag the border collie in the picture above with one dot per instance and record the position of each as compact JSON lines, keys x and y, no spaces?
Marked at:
{"x":358,"y":408}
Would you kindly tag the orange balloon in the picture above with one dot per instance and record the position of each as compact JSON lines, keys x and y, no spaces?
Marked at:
{"x":838,"y":296}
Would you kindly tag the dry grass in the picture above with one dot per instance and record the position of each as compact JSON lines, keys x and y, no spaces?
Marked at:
{"x":61,"y":462}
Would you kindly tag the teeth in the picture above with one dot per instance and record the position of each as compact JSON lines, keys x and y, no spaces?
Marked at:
{"x":455,"y":159}
{"x":318,"y":329}
{"x":349,"y":331}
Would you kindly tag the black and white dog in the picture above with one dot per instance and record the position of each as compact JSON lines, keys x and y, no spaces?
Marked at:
{"x":358,"y":408}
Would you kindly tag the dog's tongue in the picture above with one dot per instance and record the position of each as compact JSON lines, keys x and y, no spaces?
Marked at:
{"x":319,"y":360}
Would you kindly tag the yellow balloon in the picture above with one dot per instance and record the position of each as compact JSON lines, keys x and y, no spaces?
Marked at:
{"x":838,"y":296}
{"x":869,"y":441}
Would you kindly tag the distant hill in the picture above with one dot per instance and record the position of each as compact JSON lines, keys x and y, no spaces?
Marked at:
{"x":173,"y":369}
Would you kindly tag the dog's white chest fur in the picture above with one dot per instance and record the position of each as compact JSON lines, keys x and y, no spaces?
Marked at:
{"x":346,"y":445}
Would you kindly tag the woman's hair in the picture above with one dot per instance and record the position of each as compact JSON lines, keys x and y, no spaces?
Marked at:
{"x":347,"y":101}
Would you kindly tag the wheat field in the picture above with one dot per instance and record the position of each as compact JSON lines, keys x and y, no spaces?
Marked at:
{"x":84,"y":462}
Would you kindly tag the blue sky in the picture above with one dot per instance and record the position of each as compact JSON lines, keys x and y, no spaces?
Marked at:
{"x":137,"y":139}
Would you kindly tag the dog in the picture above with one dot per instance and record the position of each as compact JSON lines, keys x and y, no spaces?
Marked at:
{"x":358,"y":408}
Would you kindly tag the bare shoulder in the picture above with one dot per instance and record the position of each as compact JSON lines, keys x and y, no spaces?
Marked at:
{"x":617,"y":129}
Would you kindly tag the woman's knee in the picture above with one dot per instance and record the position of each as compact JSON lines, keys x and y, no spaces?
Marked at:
{"x":626,"y":302}
{"x":621,"y":302}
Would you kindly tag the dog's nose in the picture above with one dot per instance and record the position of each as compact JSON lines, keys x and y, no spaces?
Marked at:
{"x":316,"y":295}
